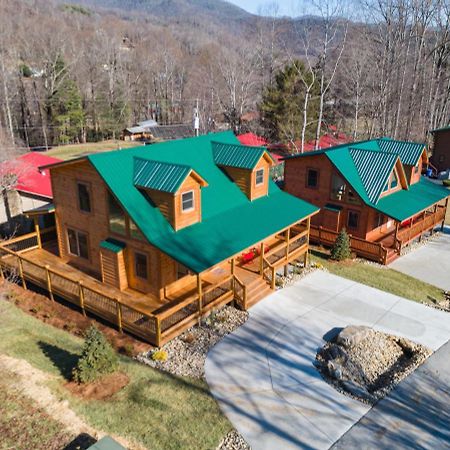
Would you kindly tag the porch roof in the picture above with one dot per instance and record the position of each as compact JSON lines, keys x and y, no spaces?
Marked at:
{"x":404,"y":204}
{"x":230,"y":221}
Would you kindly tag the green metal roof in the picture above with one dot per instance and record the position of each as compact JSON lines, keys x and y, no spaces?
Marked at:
{"x":160,"y":176}
{"x":113,"y":245}
{"x":240,"y":156}
{"x":230,"y":221}
{"x":408,"y":152}
{"x":403,"y":204}
{"x":447,"y":128}
{"x":374,"y":169}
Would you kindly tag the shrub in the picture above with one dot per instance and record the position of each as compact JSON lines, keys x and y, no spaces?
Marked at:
{"x":97,"y":358}
{"x":341,"y":248}
{"x":159,"y":355}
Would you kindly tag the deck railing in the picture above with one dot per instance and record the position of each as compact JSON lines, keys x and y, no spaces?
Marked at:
{"x":240,"y":293}
{"x":157,"y":328}
{"x":370,"y":250}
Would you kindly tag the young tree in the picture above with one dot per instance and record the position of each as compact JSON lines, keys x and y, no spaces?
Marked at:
{"x":341,"y":248}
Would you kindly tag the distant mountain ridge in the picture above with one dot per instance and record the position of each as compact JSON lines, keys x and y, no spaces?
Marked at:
{"x":219,"y":10}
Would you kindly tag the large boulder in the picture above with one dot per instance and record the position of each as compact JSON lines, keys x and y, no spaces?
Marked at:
{"x":352,"y":335}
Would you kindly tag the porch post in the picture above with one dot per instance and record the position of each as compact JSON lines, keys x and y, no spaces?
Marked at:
{"x":200,"y":295}
{"x":445,"y":213}
{"x":261,"y":259}
{"x":288,"y":237}
{"x":38,"y":232}
{"x":232,"y":266}
{"x":396,"y":243}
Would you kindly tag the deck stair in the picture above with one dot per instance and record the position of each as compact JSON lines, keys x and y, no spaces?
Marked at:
{"x":256,"y":291}
{"x":392,"y":255}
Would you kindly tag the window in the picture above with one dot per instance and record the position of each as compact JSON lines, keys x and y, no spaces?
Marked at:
{"x":312,"y":178}
{"x":84,"y":198}
{"x":353,"y":219}
{"x":117,"y":221}
{"x":78,"y":243}
{"x":135,"y":233}
{"x":338,"y":187}
{"x":187,"y":201}
{"x":416,"y":168}
{"x":140,"y":265}
{"x":259,"y":177}
{"x":352,"y":197}
{"x":378,"y":221}
{"x":394,"y":180}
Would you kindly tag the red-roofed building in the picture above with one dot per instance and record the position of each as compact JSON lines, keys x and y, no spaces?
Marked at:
{"x":32,"y":190}
{"x":252,"y":140}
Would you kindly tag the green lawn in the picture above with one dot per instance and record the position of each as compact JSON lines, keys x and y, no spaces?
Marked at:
{"x":24,"y":426}
{"x":379,"y":277}
{"x":157,"y":410}
{"x":71,"y":151}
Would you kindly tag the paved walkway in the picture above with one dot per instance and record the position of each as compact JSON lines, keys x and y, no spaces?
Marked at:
{"x":430,"y":262}
{"x":263,"y":375}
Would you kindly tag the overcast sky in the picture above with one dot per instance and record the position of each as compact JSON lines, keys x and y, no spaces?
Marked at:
{"x":287,"y":7}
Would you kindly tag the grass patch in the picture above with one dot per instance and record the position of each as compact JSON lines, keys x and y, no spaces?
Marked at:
{"x":71,"y":151}
{"x":382,"y":278}
{"x":22,"y":424}
{"x":155,"y":409}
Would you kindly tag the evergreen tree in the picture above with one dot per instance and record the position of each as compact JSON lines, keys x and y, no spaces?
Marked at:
{"x":97,"y":358}
{"x":341,"y":248}
{"x":283,"y":102}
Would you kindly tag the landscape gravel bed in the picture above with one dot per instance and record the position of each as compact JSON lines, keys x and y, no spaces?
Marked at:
{"x":367,"y":364}
{"x":186,"y":354}
{"x":233,"y":441}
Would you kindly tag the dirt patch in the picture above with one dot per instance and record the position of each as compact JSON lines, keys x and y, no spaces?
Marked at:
{"x":68,"y":319}
{"x":101,"y":389}
{"x":367,"y":364}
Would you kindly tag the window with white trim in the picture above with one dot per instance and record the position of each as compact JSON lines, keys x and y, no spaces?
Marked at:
{"x":187,"y":201}
{"x":259,"y":179}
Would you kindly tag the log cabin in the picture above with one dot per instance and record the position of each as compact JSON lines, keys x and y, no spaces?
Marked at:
{"x":155,"y":237}
{"x":374,"y":189}
{"x":440,"y":154}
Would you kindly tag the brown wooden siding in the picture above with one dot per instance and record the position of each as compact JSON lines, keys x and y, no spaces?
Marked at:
{"x":262,"y":189}
{"x":184,"y":219}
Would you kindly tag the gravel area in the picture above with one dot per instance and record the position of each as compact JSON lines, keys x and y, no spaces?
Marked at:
{"x":186,"y":354}
{"x":297,"y":272}
{"x":233,"y":441}
{"x":367,"y":364}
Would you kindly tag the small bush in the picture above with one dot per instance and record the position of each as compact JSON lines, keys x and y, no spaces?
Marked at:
{"x":341,"y":248}
{"x":160,"y":355}
{"x":97,"y":358}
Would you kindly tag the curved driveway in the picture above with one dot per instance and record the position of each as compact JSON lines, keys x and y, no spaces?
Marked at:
{"x":263,"y":375}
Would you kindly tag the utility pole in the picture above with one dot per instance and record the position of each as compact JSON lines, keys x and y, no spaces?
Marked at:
{"x":196,"y":120}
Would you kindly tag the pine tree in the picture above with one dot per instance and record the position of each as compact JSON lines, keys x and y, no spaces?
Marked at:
{"x":341,"y":248}
{"x":97,"y":358}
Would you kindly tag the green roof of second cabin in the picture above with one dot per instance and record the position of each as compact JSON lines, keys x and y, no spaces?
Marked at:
{"x":239,"y":156}
{"x":367,"y":165}
{"x":230,"y":221}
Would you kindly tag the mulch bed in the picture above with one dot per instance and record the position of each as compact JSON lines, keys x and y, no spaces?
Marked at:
{"x":101,"y":389}
{"x":68,"y":319}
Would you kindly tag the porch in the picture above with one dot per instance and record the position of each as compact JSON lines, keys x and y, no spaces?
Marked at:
{"x":386,"y":246}
{"x":32,"y":259}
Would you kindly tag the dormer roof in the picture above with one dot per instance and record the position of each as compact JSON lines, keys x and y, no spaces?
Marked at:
{"x":239,"y":156}
{"x":161,"y":176}
{"x":408,"y":152}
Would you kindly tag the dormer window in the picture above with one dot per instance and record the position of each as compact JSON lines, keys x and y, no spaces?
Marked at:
{"x":187,"y":201}
{"x":259,"y":179}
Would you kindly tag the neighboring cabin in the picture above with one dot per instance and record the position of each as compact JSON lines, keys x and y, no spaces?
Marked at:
{"x":440,"y":156}
{"x":374,"y":189}
{"x":150,"y":131}
{"x":32,"y":189}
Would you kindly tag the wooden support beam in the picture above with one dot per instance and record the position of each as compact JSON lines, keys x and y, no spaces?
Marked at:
{"x":49,"y":282}
{"x":38,"y":232}
{"x":261,"y":259}
{"x":22,"y":277}
{"x":81,"y":297}
{"x":288,"y":236}
{"x":232,"y":266}
{"x":200,"y":296}
{"x":158,"y":331}
{"x":274,"y":274}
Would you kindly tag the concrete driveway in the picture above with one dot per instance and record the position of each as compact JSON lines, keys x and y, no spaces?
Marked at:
{"x":263,"y":375}
{"x":429,"y":263}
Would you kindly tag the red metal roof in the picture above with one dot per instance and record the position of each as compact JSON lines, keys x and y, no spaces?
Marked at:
{"x":29,"y":178}
{"x":252,"y":140}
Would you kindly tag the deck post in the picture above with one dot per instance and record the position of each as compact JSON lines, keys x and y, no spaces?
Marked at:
{"x":24,"y":283}
{"x":288,"y":237}
{"x":38,"y":232}
{"x":49,"y":282}
{"x":397,"y":225}
{"x":158,"y":331}
{"x":232,"y":266}
{"x":119,"y":314}
{"x":200,"y":295}
{"x":305,"y":259}
{"x":272,"y":283}
{"x":261,"y":259}
{"x":445,"y":212}
{"x":2,"y":275}
{"x":81,"y":297}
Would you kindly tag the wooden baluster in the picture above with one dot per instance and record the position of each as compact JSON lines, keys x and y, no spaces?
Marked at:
{"x":49,"y":282}
{"x":119,"y":315}
{"x":22,"y":277}
{"x":200,"y":295}
{"x":38,"y":232}
{"x":81,"y":297}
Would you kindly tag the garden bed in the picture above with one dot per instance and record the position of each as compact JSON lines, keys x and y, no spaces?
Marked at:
{"x":367,"y":364}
